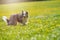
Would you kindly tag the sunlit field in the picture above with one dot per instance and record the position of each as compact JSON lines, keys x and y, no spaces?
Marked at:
{"x":44,"y":21}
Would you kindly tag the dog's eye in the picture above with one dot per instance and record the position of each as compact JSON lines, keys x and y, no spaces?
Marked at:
{"x":24,"y":14}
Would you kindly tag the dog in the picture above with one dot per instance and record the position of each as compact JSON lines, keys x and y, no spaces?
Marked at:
{"x":20,"y":18}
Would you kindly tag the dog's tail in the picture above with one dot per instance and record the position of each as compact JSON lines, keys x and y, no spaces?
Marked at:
{"x":4,"y":19}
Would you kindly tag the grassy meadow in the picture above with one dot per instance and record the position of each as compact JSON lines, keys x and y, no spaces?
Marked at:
{"x":44,"y":21}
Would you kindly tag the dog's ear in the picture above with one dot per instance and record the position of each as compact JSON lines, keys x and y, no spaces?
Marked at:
{"x":27,"y":14}
{"x":22,"y":12}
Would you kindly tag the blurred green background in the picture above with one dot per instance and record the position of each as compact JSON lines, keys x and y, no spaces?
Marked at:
{"x":44,"y":20}
{"x":16,"y":1}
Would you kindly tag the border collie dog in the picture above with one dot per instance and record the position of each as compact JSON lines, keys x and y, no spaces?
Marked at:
{"x":21,"y":18}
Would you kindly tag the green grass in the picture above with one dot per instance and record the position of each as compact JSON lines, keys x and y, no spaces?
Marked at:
{"x":44,"y":21}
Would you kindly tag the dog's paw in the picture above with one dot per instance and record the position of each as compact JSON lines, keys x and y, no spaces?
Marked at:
{"x":26,"y":23}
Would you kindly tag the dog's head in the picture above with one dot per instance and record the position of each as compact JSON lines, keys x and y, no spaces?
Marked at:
{"x":24,"y":13}
{"x":24,"y":17}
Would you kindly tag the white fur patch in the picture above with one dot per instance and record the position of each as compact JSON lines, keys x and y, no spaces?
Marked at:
{"x":24,"y":13}
{"x":26,"y":22}
{"x":4,"y":19}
